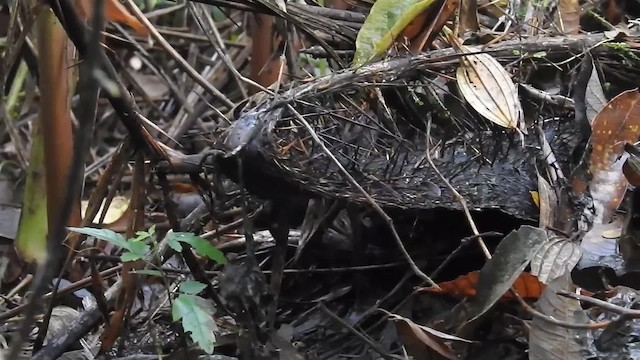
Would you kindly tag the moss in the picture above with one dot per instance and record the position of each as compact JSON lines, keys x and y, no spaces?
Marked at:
{"x":625,"y":50}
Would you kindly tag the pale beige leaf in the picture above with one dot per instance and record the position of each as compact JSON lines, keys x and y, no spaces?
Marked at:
{"x":488,"y":88}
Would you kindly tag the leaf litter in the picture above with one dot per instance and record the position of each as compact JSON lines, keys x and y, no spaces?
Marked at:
{"x":209,"y":244}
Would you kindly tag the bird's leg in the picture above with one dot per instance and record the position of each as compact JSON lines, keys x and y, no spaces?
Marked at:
{"x":280,"y":231}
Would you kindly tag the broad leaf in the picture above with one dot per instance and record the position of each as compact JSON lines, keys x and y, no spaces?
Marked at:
{"x":174,"y":244}
{"x":103,"y":234}
{"x":618,"y":123}
{"x":192,"y":287}
{"x":129,"y":256}
{"x":202,"y":246}
{"x":386,"y":20}
{"x":196,"y":314}
{"x":138,"y":247}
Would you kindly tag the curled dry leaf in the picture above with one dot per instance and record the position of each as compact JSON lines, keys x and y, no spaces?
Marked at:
{"x":419,"y":338}
{"x":618,"y":123}
{"x":488,"y":88}
{"x":547,"y":201}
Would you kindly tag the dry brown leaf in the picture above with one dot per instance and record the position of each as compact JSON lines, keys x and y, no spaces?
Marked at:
{"x":113,"y":11}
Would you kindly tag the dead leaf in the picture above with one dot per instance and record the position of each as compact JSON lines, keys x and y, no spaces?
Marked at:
{"x":500,"y":272}
{"x":117,"y":208}
{"x":558,"y":256}
{"x":567,"y":18}
{"x":419,"y":344}
{"x":419,"y":338}
{"x":526,"y":284}
{"x":113,"y":11}
{"x":548,"y":203}
{"x":551,"y":342}
{"x":618,"y":123}
{"x":487,"y":87}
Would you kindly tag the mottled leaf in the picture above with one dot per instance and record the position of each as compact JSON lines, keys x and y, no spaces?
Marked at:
{"x":618,"y":123}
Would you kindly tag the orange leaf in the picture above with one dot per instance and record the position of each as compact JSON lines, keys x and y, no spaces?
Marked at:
{"x":113,"y":11}
{"x":526,"y":285}
{"x":616,"y":124}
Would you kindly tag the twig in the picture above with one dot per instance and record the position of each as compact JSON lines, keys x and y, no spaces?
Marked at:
{"x":218,"y":46}
{"x":551,"y":320}
{"x":463,"y":243}
{"x":387,"y":219}
{"x":179,"y":59}
{"x":457,"y":195}
{"x":122,"y":102}
{"x":357,"y":333}
{"x":633,"y":313}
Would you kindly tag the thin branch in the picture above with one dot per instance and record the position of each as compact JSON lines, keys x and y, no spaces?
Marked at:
{"x":357,"y":333}
{"x":457,"y":195}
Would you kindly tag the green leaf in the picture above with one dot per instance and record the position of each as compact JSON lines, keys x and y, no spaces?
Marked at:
{"x":130,"y":256}
{"x":386,"y":20}
{"x":174,"y":244}
{"x":202,"y":246}
{"x":103,"y":234}
{"x":192,"y":287}
{"x":196,"y":314}
{"x":138,"y":247}
{"x":31,"y":238}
